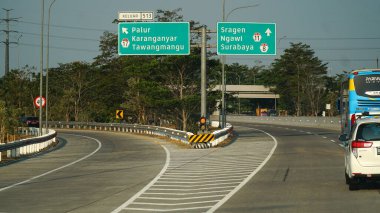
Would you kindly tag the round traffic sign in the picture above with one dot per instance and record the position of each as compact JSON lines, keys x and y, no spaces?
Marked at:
{"x":39,"y":101}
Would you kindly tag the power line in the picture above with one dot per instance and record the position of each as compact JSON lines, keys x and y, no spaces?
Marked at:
{"x":63,"y":37}
{"x":61,"y":48}
{"x":331,"y":60}
{"x":343,"y":48}
{"x":68,"y":27}
{"x":333,"y":38}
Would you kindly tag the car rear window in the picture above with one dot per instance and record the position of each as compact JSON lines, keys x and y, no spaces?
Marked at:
{"x":368,"y":131}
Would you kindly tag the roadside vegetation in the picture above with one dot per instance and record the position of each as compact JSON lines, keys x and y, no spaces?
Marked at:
{"x":162,"y":89}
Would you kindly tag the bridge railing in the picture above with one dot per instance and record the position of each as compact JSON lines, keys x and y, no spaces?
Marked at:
{"x":27,"y":146}
{"x":32,"y":145}
{"x":173,"y":134}
{"x":123,"y":127}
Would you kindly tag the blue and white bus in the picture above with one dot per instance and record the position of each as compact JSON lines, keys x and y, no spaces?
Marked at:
{"x":360,"y":93}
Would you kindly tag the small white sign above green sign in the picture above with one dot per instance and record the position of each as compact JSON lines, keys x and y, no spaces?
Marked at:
{"x":154,"y":38}
{"x":246,"y":38}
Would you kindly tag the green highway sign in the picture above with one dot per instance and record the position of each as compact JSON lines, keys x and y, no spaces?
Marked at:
{"x":246,"y":38}
{"x":154,"y":38}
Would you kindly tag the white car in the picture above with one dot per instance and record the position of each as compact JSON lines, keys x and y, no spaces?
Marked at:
{"x":362,"y":156}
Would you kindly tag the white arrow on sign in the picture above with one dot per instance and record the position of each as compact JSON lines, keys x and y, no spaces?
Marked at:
{"x":268,"y":32}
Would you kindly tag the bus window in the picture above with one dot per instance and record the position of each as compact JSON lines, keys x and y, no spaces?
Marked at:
{"x":367,"y":85}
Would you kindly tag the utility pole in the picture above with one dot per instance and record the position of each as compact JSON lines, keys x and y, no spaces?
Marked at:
{"x":7,"y":42}
{"x":203,"y":74}
{"x":41,"y":60}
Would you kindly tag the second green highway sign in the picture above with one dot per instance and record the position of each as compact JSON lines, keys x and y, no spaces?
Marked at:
{"x":246,"y":38}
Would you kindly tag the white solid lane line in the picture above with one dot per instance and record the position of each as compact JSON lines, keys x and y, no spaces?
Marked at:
{"x":227,"y":197}
{"x":128,"y":202}
{"x":62,"y":167}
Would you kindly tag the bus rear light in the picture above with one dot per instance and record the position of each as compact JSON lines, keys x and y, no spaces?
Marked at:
{"x":356,"y":73}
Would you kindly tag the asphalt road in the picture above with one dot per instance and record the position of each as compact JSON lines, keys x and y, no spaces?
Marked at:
{"x":305,"y":174}
{"x":297,"y":170}
{"x":86,"y":175}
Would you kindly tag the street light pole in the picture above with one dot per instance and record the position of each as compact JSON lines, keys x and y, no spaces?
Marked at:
{"x":18,"y":52}
{"x":223,"y":61}
{"x":203,"y":73}
{"x":47,"y":67}
{"x":223,"y":58}
{"x":41,"y":62}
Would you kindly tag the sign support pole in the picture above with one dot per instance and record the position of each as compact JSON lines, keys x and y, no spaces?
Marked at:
{"x":41,"y":62}
{"x":203,"y":73}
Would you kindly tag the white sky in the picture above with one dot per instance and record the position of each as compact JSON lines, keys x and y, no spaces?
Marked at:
{"x":343,"y":33}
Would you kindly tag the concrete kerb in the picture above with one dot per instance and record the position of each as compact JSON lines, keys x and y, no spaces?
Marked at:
{"x":317,"y":122}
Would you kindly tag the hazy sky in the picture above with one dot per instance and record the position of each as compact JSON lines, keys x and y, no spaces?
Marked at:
{"x":344,"y":33}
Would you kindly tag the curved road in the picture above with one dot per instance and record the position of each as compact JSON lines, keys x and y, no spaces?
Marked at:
{"x":117,"y":166}
{"x":299,"y":170}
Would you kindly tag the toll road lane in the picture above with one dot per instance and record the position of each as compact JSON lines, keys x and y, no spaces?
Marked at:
{"x":199,"y":180}
{"x":305,"y":174}
{"x":93,"y":172}
{"x":130,"y":173}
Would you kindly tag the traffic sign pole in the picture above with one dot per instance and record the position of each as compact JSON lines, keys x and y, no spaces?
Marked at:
{"x":203,"y":74}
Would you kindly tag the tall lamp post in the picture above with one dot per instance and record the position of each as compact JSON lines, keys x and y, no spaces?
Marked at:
{"x":41,"y":61}
{"x":223,"y":60}
{"x":47,"y":67}
{"x":18,"y":51}
{"x":278,"y":46}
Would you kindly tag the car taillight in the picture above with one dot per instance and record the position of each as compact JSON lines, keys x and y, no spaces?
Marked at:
{"x":361,"y":144}
{"x":355,"y":145}
{"x":353,"y":119}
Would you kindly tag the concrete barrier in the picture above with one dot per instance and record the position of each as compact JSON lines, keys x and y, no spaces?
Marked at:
{"x":318,"y":122}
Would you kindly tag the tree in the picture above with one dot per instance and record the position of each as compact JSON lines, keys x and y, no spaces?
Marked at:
{"x":76,"y":84}
{"x":299,"y":79}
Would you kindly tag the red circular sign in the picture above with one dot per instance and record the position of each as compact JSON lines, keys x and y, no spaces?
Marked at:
{"x":39,"y":102}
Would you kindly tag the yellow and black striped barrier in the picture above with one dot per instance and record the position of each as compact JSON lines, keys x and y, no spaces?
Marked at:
{"x":201,"y":138}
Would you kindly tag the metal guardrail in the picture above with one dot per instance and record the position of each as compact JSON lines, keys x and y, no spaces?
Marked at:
{"x":320,"y":122}
{"x":36,"y":144}
{"x":28,"y":146}
{"x":178,"y":135}
{"x":123,"y":127}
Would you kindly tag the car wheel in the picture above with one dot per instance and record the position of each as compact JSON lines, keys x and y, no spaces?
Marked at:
{"x":348,"y":180}
{"x":353,"y":184}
